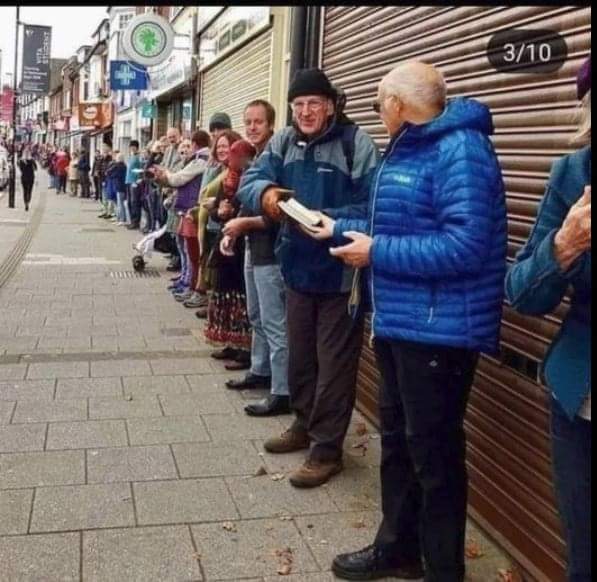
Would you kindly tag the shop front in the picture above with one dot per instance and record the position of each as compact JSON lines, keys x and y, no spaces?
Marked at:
{"x":241,"y":59}
{"x":511,"y":494}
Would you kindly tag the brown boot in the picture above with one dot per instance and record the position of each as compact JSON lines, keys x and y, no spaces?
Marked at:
{"x":288,"y":442}
{"x":314,"y":473}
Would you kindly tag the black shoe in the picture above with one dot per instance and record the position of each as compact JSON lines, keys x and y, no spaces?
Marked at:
{"x":237,"y":365}
{"x":250,"y":381}
{"x":374,"y":562}
{"x":132,"y":226}
{"x":173,"y":268}
{"x":270,"y":406}
{"x":26,"y":207}
{"x":225,"y":354}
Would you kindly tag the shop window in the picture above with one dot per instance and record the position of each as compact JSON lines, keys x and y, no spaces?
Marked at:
{"x":231,"y":28}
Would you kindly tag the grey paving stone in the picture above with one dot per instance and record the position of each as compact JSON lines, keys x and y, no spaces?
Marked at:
{"x":19,"y":470}
{"x":27,"y":390}
{"x":174,"y":429}
{"x":230,"y":427}
{"x":216,"y":460}
{"x":58,"y":370}
{"x":130,"y":464}
{"x":76,"y":507}
{"x":120,"y":368}
{"x":149,"y":554}
{"x":6,"y":409}
{"x":172,"y":366}
{"x":210,"y":382}
{"x":356,"y":489}
{"x":19,"y":345}
{"x":51,"y":558}
{"x":22,"y":438}
{"x":141,"y":385}
{"x":143,"y":407}
{"x":50,"y":331}
{"x":65,"y":342}
{"x":86,"y":435}
{"x":15,"y":507}
{"x":311,"y":577}
{"x":88,"y":388}
{"x":183,"y":501}
{"x":338,"y":533}
{"x":250,"y":550}
{"x":181,"y":404}
{"x":264,"y":497}
{"x":53,"y":411}
{"x":12,"y":371}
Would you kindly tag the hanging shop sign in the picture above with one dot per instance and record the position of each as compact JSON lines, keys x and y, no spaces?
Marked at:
{"x":126,"y":76}
{"x":174,"y":72}
{"x":35,"y":75}
{"x":107,"y":113}
{"x":148,"y":39}
{"x":149,"y":111}
{"x":90,"y":114}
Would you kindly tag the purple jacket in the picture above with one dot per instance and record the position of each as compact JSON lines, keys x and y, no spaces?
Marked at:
{"x":188,"y":181}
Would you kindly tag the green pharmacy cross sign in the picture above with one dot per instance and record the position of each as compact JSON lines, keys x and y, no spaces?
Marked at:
{"x":148,"y":39}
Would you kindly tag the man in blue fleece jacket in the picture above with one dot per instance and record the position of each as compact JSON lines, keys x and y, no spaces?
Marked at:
{"x":435,"y":244}
{"x":329,"y":163}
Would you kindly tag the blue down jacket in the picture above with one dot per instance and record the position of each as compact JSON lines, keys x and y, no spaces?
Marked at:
{"x":438,"y":221}
{"x":318,"y":172}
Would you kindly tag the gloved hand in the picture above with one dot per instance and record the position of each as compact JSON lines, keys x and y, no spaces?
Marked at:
{"x":269,"y":203}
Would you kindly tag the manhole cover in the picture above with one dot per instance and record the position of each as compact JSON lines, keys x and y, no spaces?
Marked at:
{"x":146,"y":274}
{"x":97,"y":230}
{"x":176,"y":331}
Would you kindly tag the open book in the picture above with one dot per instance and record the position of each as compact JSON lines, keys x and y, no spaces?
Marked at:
{"x":299,"y":213}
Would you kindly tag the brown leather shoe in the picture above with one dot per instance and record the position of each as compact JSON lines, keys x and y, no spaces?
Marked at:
{"x":288,"y":442}
{"x":314,"y":473}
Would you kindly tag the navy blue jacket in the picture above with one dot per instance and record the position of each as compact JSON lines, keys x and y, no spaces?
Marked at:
{"x":535,"y":284}
{"x":318,"y":173}
{"x":438,"y":221}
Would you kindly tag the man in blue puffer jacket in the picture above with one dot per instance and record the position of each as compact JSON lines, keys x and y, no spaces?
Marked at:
{"x":436,"y":248}
{"x":329,"y":163}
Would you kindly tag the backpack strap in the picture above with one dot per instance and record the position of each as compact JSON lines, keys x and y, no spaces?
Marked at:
{"x":348,"y":135}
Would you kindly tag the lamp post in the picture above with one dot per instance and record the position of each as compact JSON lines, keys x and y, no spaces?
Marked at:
{"x":13,"y":164}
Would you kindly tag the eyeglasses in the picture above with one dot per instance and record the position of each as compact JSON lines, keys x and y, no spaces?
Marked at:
{"x":376,"y":106}
{"x":309,"y":105}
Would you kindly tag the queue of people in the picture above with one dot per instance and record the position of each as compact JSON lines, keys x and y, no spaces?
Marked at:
{"x":417,"y":237}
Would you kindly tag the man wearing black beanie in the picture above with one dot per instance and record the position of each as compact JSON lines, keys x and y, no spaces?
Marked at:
{"x":328,"y":162}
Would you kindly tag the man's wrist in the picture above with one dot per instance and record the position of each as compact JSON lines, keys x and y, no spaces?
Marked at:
{"x":564,"y":252}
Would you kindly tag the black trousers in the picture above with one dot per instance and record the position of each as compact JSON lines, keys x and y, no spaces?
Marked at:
{"x":423,"y":400}
{"x":62,"y":183}
{"x":27,"y":189}
{"x":85,"y":184}
{"x":97,"y":187}
{"x":324,"y":345}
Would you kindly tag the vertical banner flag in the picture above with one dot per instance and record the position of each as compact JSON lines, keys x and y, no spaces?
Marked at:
{"x":37,"y":42}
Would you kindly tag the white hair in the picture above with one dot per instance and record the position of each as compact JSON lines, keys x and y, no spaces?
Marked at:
{"x":120,"y":157}
{"x":416,"y":84}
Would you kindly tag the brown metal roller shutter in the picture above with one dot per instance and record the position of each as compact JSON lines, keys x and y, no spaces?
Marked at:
{"x":507,"y":423}
{"x":241,"y":77}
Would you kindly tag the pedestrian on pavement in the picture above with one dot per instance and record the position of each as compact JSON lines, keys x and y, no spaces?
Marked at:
{"x":52,"y":169}
{"x":28,"y":167}
{"x":96,"y":175}
{"x":435,"y":242}
{"x":105,"y":162}
{"x":110,"y":187}
{"x":118,"y":176}
{"x":328,"y":163}
{"x":73,"y":174}
{"x":208,"y":229}
{"x":61,"y":165}
{"x":266,"y":298}
{"x":83,"y":167}
{"x":557,"y":256}
{"x":133,"y":164}
{"x":227,"y":320}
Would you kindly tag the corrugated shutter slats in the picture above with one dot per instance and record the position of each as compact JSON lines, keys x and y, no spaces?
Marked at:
{"x":238,"y":79}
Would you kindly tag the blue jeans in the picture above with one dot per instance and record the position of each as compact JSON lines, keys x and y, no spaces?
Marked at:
{"x":185,"y":267}
{"x":571,"y":453}
{"x":121,"y":208}
{"x":266,"y":307}
{"x":134,"y":203}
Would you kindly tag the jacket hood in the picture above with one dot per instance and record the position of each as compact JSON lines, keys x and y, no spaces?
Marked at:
{"x":460,"y":113}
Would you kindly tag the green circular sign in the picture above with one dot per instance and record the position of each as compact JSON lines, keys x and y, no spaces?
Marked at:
{"x":148,"y":39}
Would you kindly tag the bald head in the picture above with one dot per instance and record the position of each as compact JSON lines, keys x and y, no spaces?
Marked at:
{"x":173,"y":135}
{"x":417,"y":85}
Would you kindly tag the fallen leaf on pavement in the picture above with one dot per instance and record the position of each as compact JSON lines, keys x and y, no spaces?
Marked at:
{"x":360,"y":523}
{"x":229,"y":526}
{"x":278,"y":476}
{"x":285,"y":557}
{"x":472,"y":551}
{"x":361,"y":428}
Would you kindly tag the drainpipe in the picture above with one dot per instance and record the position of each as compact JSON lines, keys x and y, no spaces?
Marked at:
{"x":312,"y":36}
{"x":194,"y":69}
{"x":297,"y":45}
